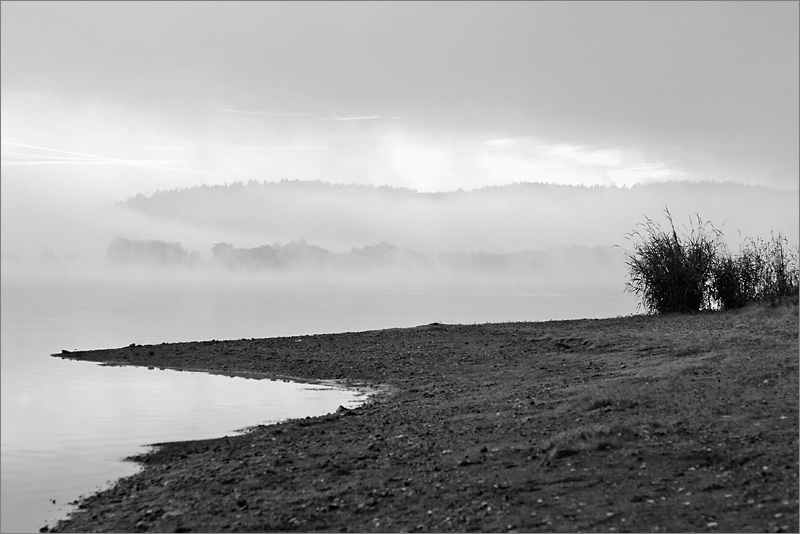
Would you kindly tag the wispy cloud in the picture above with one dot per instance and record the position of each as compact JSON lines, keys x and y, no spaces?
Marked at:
{"x":77,"y":156}
{"x":55,"y":156}
{"x":520,"y":157}
{"x":316,"y":115}
{"x":364,"y":118}
{"x":270,"y":113}
{"x":587,"y":155}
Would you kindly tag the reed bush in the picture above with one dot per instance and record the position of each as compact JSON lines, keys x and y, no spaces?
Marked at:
{"x":781,"y":276}
{"x":763,"y":271}
{"x":694,"y":271}
{"x":732,"y":283}
{"x":672,"y":273}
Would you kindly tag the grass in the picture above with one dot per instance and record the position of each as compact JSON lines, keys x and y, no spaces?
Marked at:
{"x":593,"y":437}
{"x":763,"y":271}
{"x":693,"y":271}
{"x":671,"y":273}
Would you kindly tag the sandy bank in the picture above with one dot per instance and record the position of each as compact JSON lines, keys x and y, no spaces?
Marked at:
{"x":675,"y":423}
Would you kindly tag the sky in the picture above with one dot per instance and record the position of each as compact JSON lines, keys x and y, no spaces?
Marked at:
{"x":118,"y":98}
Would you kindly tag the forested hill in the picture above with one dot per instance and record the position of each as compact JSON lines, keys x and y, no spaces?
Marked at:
{"x":524,"y":216}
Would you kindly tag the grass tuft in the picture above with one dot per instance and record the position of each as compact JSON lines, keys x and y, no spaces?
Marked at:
{"x":763,"y":271}
{"x":671,"y":273}
{"x":694,"y":271}
{"x":596,"y":437}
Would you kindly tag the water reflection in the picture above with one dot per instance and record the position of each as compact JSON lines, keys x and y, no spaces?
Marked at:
{"x":65,"y":432}
{"x":66,"y":424}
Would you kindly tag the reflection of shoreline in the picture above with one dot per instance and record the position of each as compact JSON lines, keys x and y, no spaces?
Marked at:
{"x":529,"y":417}
{"x":340,"y":384}
{"x":104,"y":415}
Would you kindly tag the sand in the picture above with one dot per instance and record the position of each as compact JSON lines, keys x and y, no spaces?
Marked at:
{"x":646,"y":424}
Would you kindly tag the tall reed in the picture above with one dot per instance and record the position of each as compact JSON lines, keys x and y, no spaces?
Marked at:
{"x":763,"y":271}
{"x":694,"y":271}
{"x":672,"y":273}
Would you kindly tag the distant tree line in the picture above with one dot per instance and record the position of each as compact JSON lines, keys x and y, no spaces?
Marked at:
{"x":302,"y":256}
{"x":520,"y":216}
{"x":294,"y":254}
{"x":149,"y":252}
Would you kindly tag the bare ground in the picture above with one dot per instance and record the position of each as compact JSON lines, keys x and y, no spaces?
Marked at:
{"x":647,"y":424}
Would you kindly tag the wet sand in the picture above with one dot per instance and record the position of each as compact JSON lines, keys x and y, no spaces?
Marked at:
{"x":643,"y":424}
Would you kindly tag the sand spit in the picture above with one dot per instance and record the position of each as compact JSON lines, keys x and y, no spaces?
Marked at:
{"x":644,"y":424}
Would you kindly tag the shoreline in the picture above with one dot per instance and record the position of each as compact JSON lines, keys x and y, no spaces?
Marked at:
{"x":685,"y":423}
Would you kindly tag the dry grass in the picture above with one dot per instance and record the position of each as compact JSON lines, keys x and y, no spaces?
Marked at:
{"x":592,"y":437}
{"x":694,"y":271}
{"x":763,"y":271}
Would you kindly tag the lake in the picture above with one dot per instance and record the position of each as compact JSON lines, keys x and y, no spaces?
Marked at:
{"x":66,"y":425}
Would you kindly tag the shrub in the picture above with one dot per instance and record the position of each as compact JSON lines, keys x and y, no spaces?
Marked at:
{"x":732,"y":282}
{"x":780,"y":278}
{"x":694,"y":271}
{"x":672,"y":273}
{"x":763,"y":271}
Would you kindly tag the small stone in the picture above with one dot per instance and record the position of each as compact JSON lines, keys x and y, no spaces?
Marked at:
{"x":712,"y":524}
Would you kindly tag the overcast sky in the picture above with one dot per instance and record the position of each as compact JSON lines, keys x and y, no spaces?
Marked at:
{"x":427,"y":95}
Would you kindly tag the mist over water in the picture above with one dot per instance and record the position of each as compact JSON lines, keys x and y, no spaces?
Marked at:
{"x":525,"y":238}
{"x":433,"y":120}
{"x":66,"y":425}
{"x":176,"y":171}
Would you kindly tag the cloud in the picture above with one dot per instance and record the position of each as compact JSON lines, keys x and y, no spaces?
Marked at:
{"x":586,"y":155}
{"x":81,"y":158}
{"x":240,"y":144}
{"x":522,"y":158}
{"x":317,"y":115}
{"x":366,"y":118}
{"x":270,"y":113}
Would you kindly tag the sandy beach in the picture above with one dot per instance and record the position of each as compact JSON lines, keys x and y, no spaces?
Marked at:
{"x":679,"y":423}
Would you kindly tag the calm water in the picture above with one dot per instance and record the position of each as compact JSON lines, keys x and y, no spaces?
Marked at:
{"x":66,"y":424}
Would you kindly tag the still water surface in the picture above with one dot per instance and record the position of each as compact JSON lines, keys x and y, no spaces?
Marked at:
{"x":66,"y":424}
